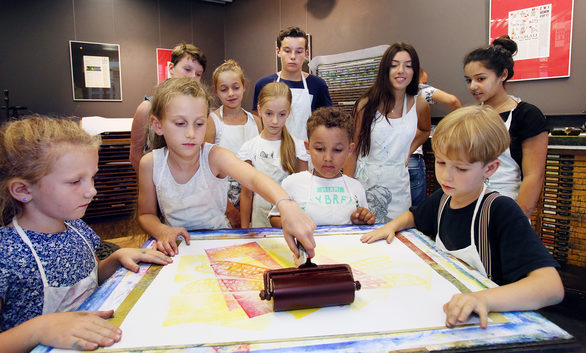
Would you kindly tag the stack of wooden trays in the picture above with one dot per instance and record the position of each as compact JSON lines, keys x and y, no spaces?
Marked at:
{"x":116,"y":181}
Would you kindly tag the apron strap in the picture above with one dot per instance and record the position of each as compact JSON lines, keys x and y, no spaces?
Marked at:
{"x":483,"y":241}
{"x":442,"y":205}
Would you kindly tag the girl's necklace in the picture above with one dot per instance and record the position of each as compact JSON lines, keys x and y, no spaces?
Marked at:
{"x":503,"y":104}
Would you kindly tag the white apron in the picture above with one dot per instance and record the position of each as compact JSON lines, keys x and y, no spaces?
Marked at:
{"x":300,"y":110}
{"x":61,"y":299}
{"x":198,"y":204}
{"x":261,"y":207}
{"x":333,"y":214}
{"x":468,"y":254}
{"x":383,"y":172}
{"x":233,"y":137}
{"x":507,"y":178}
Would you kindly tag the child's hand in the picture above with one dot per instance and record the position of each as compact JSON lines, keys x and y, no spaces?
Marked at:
{"x":80,"y":330}
{"x":362,"y":216}
{"x":462,"y":305}
{"x":167,"y":240}
{"x":130,"y":257}
{"x":387,"y":231}
{"x":297,"y":225}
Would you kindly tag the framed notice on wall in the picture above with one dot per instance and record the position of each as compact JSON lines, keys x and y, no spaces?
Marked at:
{"x":163,"y":60}
{"x":542,"y":30}
{"x":95,"y":71}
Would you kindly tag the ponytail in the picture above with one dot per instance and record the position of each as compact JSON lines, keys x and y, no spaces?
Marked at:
{"x":288,"y":153}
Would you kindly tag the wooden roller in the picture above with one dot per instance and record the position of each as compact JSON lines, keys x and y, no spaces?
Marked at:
{"x":309,"y":287}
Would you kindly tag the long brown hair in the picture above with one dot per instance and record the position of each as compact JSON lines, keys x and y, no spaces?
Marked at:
{"x":270,"y":92}
{"x":381,"y":93}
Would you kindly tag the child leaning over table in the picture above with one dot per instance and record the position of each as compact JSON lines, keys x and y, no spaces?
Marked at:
{"x":325,"y":194}
{"x":48,"y":266}
{"x":467,"y":143}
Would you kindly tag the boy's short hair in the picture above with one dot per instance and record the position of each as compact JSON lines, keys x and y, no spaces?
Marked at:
{"x":477,"y":132}
{"x":330,"y":117}
{"x":183,"y":49}
{"x":294,"y":32}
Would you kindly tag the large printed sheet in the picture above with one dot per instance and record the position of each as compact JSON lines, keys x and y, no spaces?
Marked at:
{"x":210,"y":294}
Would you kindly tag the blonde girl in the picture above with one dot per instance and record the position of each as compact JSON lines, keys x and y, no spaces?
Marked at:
{"x":274,"y":152}
{"x":48,"y":264}
{"x":230,"y":125}
{"x":186,"y":177}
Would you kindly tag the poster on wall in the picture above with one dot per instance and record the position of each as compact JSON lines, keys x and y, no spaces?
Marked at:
{"x":542,"y":30}
{"x":163,"y":60}
{"x":95,"y":71}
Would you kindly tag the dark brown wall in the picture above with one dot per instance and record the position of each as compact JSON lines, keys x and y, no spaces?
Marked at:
{"x":442,"y":31}
{"x":34,"y":63}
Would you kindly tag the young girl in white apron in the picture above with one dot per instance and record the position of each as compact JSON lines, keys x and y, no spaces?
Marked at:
{"x":48,"y":263}
{"x":186,"y":177}
{"x":487,"y":71}
{"x":230,"y":125}
{"x":265,"y":152}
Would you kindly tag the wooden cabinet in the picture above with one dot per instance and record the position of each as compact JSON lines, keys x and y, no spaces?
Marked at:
{"x":115,"y":181}
{"x":560,"y":218}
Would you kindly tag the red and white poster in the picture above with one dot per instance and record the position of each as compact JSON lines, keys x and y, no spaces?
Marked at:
{"x":163,"y":60}
{"x":542,"y":30}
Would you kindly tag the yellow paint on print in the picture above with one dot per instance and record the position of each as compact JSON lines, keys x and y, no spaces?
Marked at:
{"x":207,"y":308}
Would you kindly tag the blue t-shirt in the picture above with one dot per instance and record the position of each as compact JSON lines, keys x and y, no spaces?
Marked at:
{"x":318,"y":89}
{"x":66,"y":260}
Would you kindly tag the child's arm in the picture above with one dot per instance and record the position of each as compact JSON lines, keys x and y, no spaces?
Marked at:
{"x":275,"y":221}
{"x":362,"y":216}
{"x":447,"y":99}
{"x":541,"y":287}
{"x":258,"y":122}
{"x":533,"y":168}
{"x":301,"y":165}
{"x":423,"y":125}
{"x":350,"y":165}
{"x":79,"y":330}
{"x":147,"y":211}
{"x":296,"y":224}
{"x":233,"y":215}
{"x":404,"y":221}
{"x":210,"y":136}
{"x":246,"y":205}
{"x":138,"y":133}
{"x":129,"y":258}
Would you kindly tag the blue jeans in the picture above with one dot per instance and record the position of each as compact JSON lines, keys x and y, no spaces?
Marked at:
{"x":417,"y":178}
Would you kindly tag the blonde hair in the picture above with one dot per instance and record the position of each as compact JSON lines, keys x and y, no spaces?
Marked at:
{"x":228,"y":65}
{"x":169,"y":89}
{"x":477,"y":132}
{"x":28,"y":149}
{"x":272,"y":91}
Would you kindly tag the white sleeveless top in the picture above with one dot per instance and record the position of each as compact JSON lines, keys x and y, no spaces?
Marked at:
{"x":233,"y":137}
{"x":383,"y":172}
{"x":198,"y":204}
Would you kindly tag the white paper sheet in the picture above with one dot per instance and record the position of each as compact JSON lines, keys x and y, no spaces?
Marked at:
{"x":184,"y":305}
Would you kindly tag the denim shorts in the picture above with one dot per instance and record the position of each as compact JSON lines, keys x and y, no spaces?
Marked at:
{"x":417,"y":178}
